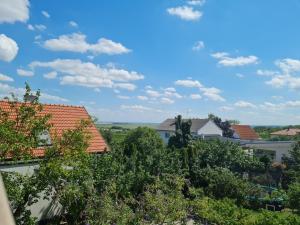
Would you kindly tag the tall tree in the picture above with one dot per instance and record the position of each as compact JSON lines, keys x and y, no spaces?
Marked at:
{"x":182,"y":133}
{"x":224,"y":125}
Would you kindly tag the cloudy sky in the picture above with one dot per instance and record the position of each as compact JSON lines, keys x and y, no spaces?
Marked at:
{"x":145,"y":60}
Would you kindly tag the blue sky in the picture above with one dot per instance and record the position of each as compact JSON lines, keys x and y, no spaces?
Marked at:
{"x":144,"y":61}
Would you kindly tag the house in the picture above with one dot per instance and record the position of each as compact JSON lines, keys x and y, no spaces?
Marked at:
{"x":289,"y":132}
{"x":244,"y":132}
{"x":200,"y":128}
{"x":63,"y":117}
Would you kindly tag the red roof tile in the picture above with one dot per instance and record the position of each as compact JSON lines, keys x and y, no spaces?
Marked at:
{"x":245,"y":132}
{"x":64,"y":117}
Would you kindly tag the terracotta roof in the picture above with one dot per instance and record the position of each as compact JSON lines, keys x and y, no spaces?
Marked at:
{"x":287,"y":132}
{"x":64,"y":117}
{"x":245,"y":132}
{"x":168,"y":124}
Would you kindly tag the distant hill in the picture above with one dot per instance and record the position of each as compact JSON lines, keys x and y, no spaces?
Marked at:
{"x":127,"y":125}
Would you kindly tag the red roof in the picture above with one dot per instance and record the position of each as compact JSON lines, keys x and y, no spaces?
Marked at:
{"x":64,"y":117}
{"x":245,"y":132}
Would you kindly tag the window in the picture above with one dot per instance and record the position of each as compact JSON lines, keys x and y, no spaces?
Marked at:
{"x":167,"y":135}
{"x":45,"y":139}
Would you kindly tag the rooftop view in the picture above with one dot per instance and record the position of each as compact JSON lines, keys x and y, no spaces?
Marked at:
{"x":149,"y":112}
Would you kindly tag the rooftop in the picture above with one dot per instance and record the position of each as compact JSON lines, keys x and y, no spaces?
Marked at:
{"x":66,"y":117}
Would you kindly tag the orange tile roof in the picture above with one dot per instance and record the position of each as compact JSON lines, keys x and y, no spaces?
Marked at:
{"x":287,"y":132}
{"x":245,"y":132}
{"x":64,"y":117}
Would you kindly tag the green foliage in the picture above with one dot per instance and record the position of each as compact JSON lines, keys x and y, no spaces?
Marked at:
{"x":20,"y":127}
{"x":294,"y":196}
{"x":224,"y":125}
{"x":182,"y":135}
{"x":163,"y":201}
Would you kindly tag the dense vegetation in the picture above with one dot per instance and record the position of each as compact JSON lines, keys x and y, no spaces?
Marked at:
{"x":142,"y":181}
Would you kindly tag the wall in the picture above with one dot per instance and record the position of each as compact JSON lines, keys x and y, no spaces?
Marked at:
{"x":165,"y":135}
{"x":210,"y":128}
{"x":42,"y":209}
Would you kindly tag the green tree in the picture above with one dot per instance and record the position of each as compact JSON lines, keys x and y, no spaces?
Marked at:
{"x":182,"y":133}
{"x":224,"y":125}
{"x":294,"y":196}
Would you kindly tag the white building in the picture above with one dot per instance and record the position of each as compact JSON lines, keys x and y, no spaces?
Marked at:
{"x":200,"y":128}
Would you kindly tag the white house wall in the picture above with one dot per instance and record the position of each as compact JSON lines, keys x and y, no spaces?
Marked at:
{"x":210,"y":128}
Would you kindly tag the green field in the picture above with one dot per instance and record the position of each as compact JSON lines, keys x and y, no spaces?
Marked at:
{"x":127,"y":125}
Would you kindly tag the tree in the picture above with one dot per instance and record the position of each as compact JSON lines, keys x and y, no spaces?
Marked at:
{"x":182,"y":133}
{"x":224,"y":125}
{"x":294,"y":196}
{"x":20,"y":127}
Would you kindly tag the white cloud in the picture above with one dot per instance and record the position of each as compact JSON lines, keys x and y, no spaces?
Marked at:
{"x":39,"y":27}
{"x":126,"y":86}
{"x":76,"y":42}
{"x":198,"y":46}
{"x":6,"y":90}
{"x":5,"y":78}
{"x":171,"y":92}
{"x":25,"y":73}
{"x":212,"y":93}
{"x":189,"y":83}
{"x":195,"y":96}
{"x":76,"y":72}
{"x":73,"y":24}
{"x":8,"y":48}
{"x":30,"y":27}
{"x":165,"y":100}
{"x":288,"y":65}
{"x":139,"y":108}
{"x":185,"y":13}
{"x":51,"y":75}
{"x":153,"y":93}
{"x":142,"y":97}
{"x":226,"y":60}
{"x":124,"y":97}
{"x":266,"y":73}
{"x":196,"y":2}
{"x":45,"y":14}
{"x":244,"y":104}
{"x":14,"y":10}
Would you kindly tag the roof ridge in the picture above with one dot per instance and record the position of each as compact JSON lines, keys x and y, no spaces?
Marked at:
{"x":48,"y":104}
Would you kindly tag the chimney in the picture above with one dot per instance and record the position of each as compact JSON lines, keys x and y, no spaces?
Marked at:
{"x":30,"y":98}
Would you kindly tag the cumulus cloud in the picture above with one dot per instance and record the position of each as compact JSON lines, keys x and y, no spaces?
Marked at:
{"x":286,"y":76}
{"x":6,"y":90}
{"x":185,"y":12}
{"x":196,"y":2}
{"x":39,"y":27}
{"x":51,"y":75}
{"x":224,"y":59}
{"x":12,"y":11}
{"x":198,"y":46}
{"x":153,"y":93}
{"x":8,"y":48}
{"x":45,"y":14}
{"x":76,"y":72}
{"x":73,"y":23}
{"x":139,"y":108}
{"x":4,"y":77}
{"x":25,"y":73}
{"x":189,"y":83}
{"x":195,"y":96}
{"x":76,"y":42}
{"x":211,"y":93}
{"x":165,"y":100}
{"x":244,"y":104}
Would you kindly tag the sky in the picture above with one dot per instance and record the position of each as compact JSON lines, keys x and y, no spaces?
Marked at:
{"x":145,"y":61}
